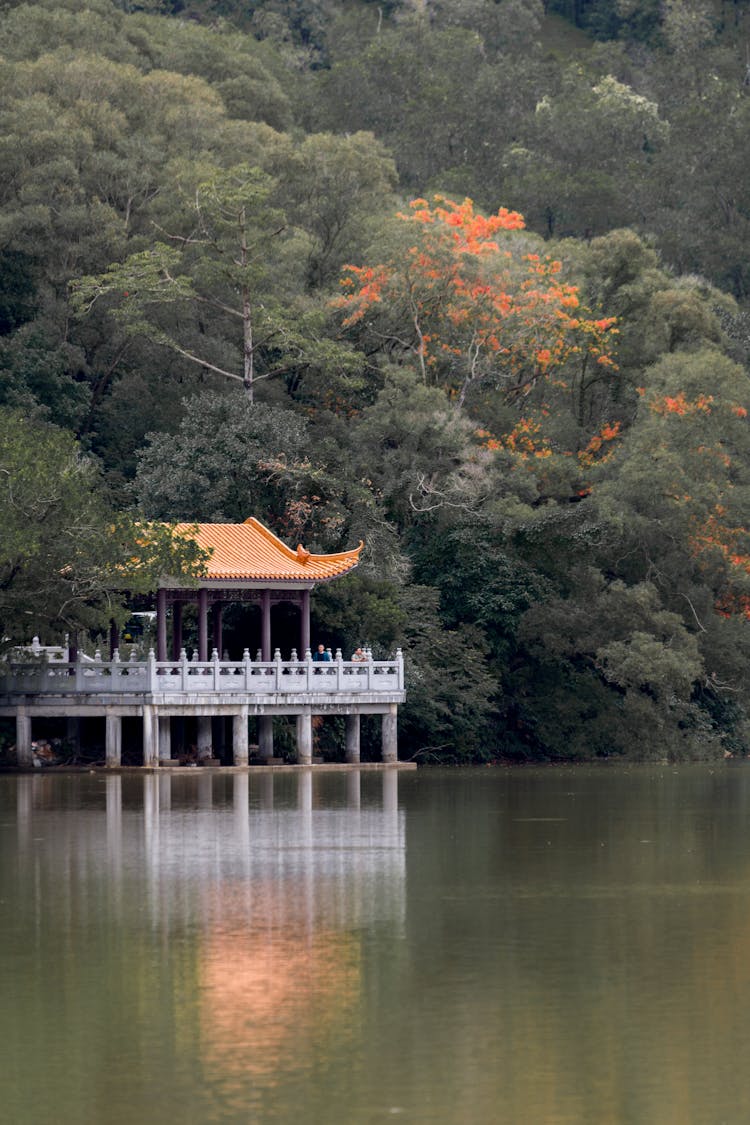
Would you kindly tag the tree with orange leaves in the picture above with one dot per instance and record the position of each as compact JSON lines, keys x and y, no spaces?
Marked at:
{"x":470,"y":303}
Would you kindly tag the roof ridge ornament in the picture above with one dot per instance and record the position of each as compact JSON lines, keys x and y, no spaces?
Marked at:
{"x":302,"y":553}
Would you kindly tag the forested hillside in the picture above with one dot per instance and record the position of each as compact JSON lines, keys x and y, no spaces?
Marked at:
{"x":467,"y":279}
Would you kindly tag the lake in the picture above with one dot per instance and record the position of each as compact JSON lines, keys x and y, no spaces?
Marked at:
{"x":532,"y":945}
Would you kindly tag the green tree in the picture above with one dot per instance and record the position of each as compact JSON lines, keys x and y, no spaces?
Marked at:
{"x":67,"y":560}
{"x":221,"y":292}
{"x":228,"y":461}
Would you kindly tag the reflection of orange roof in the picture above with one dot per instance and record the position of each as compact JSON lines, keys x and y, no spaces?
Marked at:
{"x":251,"y":552}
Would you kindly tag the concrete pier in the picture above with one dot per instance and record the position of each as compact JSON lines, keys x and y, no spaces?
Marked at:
{"x":166,"y":696}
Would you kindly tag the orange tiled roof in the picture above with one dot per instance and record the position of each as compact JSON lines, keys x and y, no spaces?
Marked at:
{"x":250,"y":551}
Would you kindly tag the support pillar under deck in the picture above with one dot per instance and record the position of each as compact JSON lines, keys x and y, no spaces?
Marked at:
{"x":112,"y":740}
{"x":240,"y":749}
{"x":389,"y":742}
{"x":352,"y":738}
{"x":23,"y":738}
{"x":304,"y":739}
{"x":165,"y":738}
{"x":150,"y":736}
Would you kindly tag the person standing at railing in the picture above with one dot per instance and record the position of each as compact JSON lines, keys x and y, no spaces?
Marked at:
{"x":322,"y":655}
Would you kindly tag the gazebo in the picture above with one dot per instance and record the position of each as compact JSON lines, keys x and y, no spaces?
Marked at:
{"x":251,"y":565}
{"x":247,"y":564}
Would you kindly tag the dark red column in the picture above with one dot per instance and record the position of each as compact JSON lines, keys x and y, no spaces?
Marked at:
{"x":203,"y":624}
{"x":176,"y":630}
{"x":217,"y":631}
{"x":161,"y":624}
{"x":265,"y":610}
{"x":304,"y":623}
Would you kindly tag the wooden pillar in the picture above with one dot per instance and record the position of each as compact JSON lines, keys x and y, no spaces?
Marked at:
{"x":23,"y":738}
{"x":217,"y":627}
{"x":114,"y":639}
{"x":150,"y":736}
{"x":390,"y":735}
{"x":265,"y":625}
{"x":165,"y":738}
{"x":265,"y":736}
{"x":203,"y":624}
{"x":176,"y":630}
{"x":240,"y":749}
{"x":161,"y":624}
{"x":113,"y":739}
{"x":304,"y":624}
{"x":352,"y":738}
{"x":304,"y":739}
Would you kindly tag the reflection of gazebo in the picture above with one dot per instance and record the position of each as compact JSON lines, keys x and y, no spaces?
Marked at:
{"x":247,"y":564}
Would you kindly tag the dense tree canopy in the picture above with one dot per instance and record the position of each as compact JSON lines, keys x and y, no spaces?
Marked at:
{"x":68,"y":562}
{"x":465,"y":279}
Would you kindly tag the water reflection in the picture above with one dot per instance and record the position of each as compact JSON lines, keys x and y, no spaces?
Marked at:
{"x":253,"y":892}
{"x":544,"y":946}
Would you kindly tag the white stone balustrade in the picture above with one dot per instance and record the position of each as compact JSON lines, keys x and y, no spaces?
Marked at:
{"x":188,"y":677}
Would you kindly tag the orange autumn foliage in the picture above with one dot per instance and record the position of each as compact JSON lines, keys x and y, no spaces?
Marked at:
{"x":608,"y":433}
{"x":730,"y":542}
{"x":468,"y":308}
{"x":678,"y":404}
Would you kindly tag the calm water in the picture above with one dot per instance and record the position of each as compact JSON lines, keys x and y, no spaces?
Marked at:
{"x":458,"y":947}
